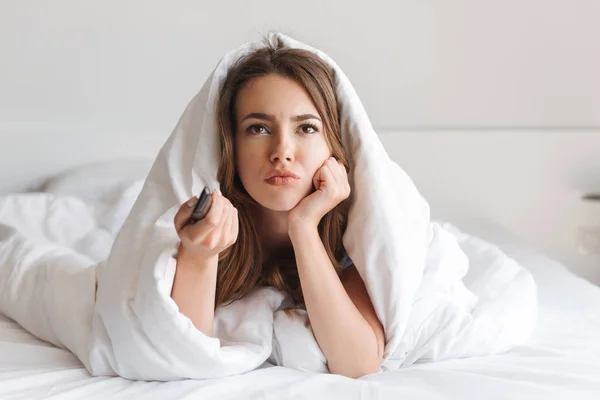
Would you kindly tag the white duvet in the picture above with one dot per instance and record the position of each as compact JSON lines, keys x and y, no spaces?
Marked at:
{"x":96,"y":277}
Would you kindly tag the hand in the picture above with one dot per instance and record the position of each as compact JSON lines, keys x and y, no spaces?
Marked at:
{"x":211,"y":235}
{"x":332,"y":187}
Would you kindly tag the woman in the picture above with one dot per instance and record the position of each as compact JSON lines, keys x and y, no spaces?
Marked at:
{"x":282,"y":211}
{"x":147,"y":311}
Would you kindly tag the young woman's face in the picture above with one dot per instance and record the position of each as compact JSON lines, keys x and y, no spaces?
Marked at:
{"x":279,"y":131}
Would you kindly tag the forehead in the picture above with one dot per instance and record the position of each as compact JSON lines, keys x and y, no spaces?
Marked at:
{"x":273,"y":94}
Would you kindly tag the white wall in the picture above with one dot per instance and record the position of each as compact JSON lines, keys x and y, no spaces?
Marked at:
{"x":515,"y":81}
{"x":134,"y":64}
{"x":529,"y":182}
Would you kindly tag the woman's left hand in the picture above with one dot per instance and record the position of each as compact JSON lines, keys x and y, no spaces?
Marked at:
{"x":331,"y":182}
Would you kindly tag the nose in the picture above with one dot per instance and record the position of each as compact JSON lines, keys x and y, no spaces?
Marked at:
{"x":283,"y":149}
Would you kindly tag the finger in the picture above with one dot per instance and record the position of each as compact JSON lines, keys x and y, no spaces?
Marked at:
{"x":225,"y":221}
{"x":343,"y":183}
{"x":184,"y":213}
{"x":327,"y":176}
{"x":212,"y":219}
{"x":336,"y":169}
{"x":343,"y":173}
{"x":318,"y":178}
{"x":219,"y":232}
{"x":236,"y":224}
{"x":229,"y":230}
{"x":341,"y":165}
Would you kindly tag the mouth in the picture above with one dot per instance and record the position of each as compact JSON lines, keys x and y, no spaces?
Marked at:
{"x":281,"y":180}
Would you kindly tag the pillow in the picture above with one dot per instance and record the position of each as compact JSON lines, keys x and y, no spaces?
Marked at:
{"x":92,"y":182}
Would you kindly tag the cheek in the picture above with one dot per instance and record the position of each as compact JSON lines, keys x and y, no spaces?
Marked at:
{"x":246,"y":160}
{"x":314,"y":159}
{"x":242,"y":165}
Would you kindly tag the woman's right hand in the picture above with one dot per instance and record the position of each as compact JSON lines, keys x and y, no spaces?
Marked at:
{"x":211,"y":235}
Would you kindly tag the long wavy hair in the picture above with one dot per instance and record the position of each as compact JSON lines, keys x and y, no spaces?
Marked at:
{"x":241,"y":266}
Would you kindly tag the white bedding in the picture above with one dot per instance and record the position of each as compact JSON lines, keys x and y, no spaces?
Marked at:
{"x":562,"y":360}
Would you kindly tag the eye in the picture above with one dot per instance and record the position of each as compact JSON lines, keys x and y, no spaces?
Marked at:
{"x":309,"y":128}
{"x":256,"y":129}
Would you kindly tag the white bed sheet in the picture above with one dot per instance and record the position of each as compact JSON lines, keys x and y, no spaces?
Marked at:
{"x":562,"y":360}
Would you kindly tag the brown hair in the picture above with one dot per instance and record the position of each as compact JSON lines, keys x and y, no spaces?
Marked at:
{"x":241,"y":266}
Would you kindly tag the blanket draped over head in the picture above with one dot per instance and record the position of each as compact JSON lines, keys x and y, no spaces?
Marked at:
{"x":438,"y":296}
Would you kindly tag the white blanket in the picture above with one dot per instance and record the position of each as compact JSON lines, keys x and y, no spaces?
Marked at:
{"x":55,"y":252}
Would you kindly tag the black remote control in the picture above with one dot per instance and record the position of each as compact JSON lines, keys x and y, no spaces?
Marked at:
{"x":202,"y":206}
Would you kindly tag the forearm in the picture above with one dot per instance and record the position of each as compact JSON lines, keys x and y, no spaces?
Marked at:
{"x":194,"y":290}
{"x":345,"y":337}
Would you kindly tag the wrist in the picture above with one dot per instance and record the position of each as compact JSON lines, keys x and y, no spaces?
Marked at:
{"x":302,"y":229}
{"x":196,"y":260}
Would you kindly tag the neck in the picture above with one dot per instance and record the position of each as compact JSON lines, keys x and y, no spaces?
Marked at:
{"x":273,"y":230}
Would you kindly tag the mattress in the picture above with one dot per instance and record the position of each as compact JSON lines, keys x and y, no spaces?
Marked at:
{"x":561,"y":361}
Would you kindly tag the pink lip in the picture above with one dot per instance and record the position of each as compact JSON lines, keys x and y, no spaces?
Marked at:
{"x":281,"y":180}
{"x":281,"y":173}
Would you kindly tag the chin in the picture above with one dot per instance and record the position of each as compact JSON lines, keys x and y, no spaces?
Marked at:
{"x":278,"y":200}
{"x":283,"y":203}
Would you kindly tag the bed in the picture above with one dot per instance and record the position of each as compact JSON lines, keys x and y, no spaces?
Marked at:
{"x":562,"y":359}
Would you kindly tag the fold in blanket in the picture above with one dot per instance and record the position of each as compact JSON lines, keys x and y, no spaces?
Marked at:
{"x":433,"y":305}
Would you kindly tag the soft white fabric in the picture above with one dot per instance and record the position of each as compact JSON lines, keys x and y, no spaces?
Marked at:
{"x":97,"y":180}
{"x":560,"y":361}
{"x":430,"y":303}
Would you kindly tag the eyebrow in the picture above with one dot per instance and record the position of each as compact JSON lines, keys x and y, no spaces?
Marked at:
{"x":271,"y":118}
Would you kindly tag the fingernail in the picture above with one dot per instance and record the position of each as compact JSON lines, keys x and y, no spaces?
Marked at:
{"x":191,"y":202}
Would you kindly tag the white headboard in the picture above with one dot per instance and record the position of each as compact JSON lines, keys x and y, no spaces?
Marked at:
{"x":530,"y":182}
{"x":28,"y":158}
